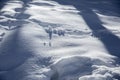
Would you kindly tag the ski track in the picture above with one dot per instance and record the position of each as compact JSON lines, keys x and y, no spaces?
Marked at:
{"x":44,"y":40}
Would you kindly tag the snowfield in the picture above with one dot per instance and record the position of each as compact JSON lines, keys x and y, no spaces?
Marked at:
{"x":59,"y":40}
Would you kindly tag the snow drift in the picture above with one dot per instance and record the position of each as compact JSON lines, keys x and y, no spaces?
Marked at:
{"x":59,"y":40}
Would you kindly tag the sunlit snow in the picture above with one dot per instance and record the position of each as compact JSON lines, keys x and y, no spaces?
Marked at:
{"x":59,"y":40}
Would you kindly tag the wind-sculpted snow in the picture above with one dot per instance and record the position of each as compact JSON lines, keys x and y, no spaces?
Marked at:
{"x":84,"y":68}
{"x":59,"y":40}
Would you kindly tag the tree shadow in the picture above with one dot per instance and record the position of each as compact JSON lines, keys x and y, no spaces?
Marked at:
{"x":11,"y":51}
{"x":106,"y":7}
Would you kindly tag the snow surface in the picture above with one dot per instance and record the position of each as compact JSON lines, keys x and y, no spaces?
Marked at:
{"x":59,"y":40}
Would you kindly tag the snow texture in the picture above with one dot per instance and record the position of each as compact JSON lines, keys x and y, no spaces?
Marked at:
{"x":59,"y":40}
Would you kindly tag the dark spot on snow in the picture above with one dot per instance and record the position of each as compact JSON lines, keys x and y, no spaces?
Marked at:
{"x":44,"y":43}
{"x":42,"y":4}
{"x":116,"y":77}
{"x":52,"y":31}
{"x":43,"y":61}
{"x":22,"y":16}
{"x":50,"y":44}
{"x":19,"y":9}
{"x":55,"y":76}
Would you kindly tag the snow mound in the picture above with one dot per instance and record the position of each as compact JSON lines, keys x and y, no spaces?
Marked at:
{"x":55,"y":40}
{"x":103,"y":73}
{"x":83,"y":68}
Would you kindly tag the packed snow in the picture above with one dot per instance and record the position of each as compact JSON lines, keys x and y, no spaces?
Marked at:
{"x":59,"y":40}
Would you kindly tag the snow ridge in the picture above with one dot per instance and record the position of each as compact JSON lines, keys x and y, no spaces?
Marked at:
{"x":52,"y":40}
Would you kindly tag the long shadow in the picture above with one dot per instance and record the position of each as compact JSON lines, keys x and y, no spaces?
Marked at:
{"x":9,"y":48}
{"x":13,"y":55}
{"x":86,"y":8}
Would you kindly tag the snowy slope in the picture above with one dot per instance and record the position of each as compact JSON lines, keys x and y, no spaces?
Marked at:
{"x":59,"y":40}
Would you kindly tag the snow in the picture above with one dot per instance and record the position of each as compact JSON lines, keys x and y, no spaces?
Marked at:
{"x":111,"y":23}
{"x":10,"y":7}
{"x":59,"y":40}
{"x":102,"y":73}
